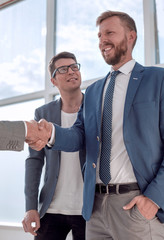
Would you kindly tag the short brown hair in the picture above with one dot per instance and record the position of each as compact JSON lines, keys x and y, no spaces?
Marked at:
{"x":51,"y":65}
{"x":124,"y":18}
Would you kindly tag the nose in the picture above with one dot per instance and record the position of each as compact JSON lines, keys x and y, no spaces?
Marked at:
{"x":103,"y":39}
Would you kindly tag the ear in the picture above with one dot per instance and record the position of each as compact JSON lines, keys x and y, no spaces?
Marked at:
{"x":132,"y":36}
{"x":54,"y":82}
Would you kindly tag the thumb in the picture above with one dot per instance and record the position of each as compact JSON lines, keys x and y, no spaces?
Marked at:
{"x":41,"y":124}
{"x":130,"y":205}
{"x":37,"y":226}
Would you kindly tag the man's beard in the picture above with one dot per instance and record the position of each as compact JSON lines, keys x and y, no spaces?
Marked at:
{"x":120,"y":51}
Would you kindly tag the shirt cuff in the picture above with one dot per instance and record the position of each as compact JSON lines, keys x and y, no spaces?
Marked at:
{"x":25,"y":125}
{"x":52,"y":139}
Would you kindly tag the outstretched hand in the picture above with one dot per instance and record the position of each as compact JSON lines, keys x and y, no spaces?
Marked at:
{"x":38,"y":133}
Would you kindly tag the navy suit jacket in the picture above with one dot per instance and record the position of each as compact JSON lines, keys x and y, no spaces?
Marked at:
{"x":35,"y":162}
{"x":143,"y":132}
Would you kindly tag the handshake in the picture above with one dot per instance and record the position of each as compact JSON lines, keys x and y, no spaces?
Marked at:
{"x":38,"y":133}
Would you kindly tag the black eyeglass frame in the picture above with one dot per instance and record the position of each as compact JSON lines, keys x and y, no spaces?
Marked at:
{"x":69,"y":66}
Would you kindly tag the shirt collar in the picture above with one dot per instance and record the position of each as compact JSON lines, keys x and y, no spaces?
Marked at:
{"x":126,"y":68}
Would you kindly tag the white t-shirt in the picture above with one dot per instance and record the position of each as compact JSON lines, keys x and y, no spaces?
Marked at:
{"x":68,"y":196}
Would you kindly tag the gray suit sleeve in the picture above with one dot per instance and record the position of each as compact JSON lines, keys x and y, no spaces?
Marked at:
{"x":33,"y":170}
{"x":12,"y":135}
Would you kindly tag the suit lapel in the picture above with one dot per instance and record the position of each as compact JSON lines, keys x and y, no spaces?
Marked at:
{"x":99,"y":94}
{"x":134,"y":83}
{"x":56,"y":112}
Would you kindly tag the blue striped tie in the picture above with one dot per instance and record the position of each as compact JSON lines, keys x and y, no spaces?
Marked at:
{"x":107,"y":131}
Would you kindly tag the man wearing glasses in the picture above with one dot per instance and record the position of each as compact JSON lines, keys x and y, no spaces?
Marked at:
{"x":60,"y":200}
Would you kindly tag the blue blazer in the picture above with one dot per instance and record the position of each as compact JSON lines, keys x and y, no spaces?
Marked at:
{"x":35,"y":162}
{"x":143,"y":132}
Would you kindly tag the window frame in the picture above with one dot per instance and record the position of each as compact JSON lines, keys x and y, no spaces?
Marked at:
{"x":49,"y":92}
{"x":150,"y":34}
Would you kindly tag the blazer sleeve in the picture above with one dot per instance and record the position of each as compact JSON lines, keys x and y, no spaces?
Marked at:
{"x":70,"y":139}
{"x":155,"y":190}
{"x":33,"y":170}
{"x":12,"y":135}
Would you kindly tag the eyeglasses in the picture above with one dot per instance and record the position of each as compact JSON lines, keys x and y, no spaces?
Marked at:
{"x":64,"y":69}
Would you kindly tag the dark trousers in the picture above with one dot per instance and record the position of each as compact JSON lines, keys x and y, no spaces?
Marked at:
{"x":57,"y":227}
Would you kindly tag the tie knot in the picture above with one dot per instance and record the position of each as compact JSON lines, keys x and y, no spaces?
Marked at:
{"x":115,"y":73}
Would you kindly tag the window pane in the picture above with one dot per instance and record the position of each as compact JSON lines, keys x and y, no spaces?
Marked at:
{"x":22,"y":48}
{"x":160,"y":20}
{"x":77,"y":31}
{"x":12,"y":203}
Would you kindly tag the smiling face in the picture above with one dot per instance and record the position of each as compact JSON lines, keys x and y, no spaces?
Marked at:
{"x":69,"y":81}
{"x":115,"y":42}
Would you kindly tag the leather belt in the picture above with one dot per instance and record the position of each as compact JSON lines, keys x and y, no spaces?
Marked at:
{"x":116,"y":188}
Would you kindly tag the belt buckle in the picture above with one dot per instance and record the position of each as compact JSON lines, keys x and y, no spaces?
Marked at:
{"x":117,"y":189}
{"x":107,"y":189}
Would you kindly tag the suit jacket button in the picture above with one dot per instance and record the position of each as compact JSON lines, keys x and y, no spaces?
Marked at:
{"x":98,"y":139}
{"x":94,"y":165}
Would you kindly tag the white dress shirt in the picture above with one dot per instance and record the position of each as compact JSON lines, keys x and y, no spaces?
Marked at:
{"x":120,"y":166}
